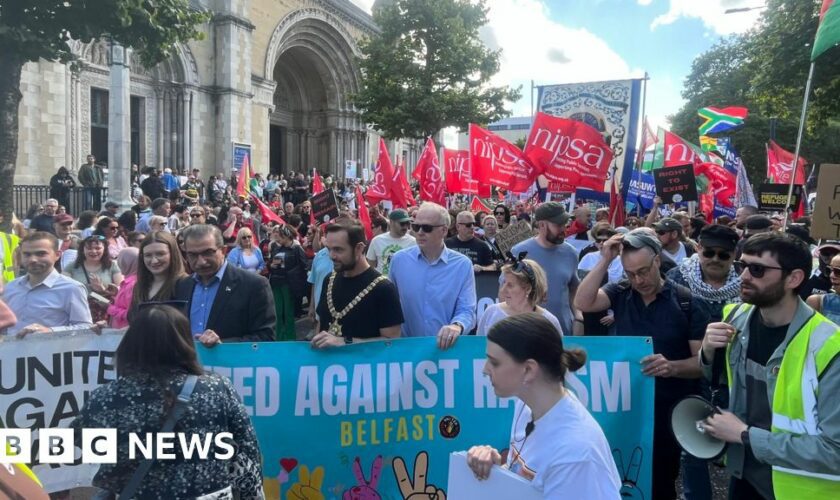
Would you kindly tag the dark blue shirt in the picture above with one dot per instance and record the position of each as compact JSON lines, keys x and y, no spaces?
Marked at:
{"x":665,"y":322}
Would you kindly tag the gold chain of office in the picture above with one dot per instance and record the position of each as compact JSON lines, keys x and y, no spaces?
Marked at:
{"x":335,"y":327}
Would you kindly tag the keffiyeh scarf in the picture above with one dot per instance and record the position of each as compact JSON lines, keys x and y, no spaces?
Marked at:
{"x":690,"y":271}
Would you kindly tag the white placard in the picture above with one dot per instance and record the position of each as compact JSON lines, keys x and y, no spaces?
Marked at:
{"x":501,"y":483}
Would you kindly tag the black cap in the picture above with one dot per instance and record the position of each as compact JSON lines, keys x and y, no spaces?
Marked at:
{"x":668,"y":224}
{"x":801,"y":232}
{"x":758,"y":222}
{"x":718,"y":236}
{"x":552,"y":211}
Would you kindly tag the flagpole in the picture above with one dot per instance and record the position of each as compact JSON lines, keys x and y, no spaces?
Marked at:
{"x":532,"y":102}
{"x":795,"y":165}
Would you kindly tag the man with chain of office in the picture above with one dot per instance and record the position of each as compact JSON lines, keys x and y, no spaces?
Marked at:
{"x":358,"y":304}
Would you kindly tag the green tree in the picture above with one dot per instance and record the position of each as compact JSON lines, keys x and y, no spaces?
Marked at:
{"x":765,"y":70}
{"x":427,"y":69}
{"x":40,"y":29}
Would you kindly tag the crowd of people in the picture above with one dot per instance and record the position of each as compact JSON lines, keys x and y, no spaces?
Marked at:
{"x":192,"y":260}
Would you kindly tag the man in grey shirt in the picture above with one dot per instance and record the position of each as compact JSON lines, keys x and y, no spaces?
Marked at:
{"x":43,"y":299}
{"x":558,"y":259}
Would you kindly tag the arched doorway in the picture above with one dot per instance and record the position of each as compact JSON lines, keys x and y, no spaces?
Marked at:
{"x":313,"y":124}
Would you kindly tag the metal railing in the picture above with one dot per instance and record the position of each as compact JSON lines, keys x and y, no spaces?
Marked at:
{"x":78,"y":199}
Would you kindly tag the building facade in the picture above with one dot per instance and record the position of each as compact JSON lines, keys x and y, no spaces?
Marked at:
{"x":271,"y":76}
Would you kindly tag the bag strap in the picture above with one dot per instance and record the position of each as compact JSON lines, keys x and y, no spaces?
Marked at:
{"x":720,"y":360}
{"x":175,"y":413}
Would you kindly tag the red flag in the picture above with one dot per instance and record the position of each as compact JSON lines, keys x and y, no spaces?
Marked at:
{"x":428,"y":173}
{"x":267,"y":214}
{"x":616,"y":205}
{"x":459,"y":174}
{"x":380,"y":188}
{"x":722,"y":183}
{"x":317,"y":183}
{"x":243,"y":186}
{"x":648,"y":141}
{"x":478,"y":206}
{"x":401,"y":194}
{"x":569,"y":151}
{"x":496,"y":162}
{"x":364,"y":215}
{"x":779,"y":165}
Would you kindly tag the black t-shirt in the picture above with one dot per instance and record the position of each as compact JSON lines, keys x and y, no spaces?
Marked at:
{"x":478,"y":251}
{"x":816,"y":285}
{"x":762,"y":343}
{"x":42,"y":222}
{"x":379,"y":309}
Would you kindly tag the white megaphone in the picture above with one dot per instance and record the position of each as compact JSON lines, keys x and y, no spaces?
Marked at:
{"x":686,"y":422}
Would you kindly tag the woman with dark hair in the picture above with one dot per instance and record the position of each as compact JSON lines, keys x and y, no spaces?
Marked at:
{"x":287,"y":275}
{"x":100,"y":274}
{"x":554,"y":441}
{"x":110,"y":229}
{"x":127,"y":221}
{"x":85,"y":223}
{"x":60,"y":185}
{"x":34,"y":210}
{"x":154,"y":361}
{"x":502,"y":213}
{"x":159,"y":269}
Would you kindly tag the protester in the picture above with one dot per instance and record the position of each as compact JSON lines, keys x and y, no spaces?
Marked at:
{"x":157,"y":223}
{"x":490,"y":225}
{"x":591,"y":255}
{"x":828,"y":304}
{"x":246,"y":255}
{"x":385,"y":245}
{"x":436,"y":284}
{"x":670,"y":233}
{"x":110,"y":209}
{"x":742,"y":213}
{"x":225,"y":303}
{"x":753,"y":225}
{"x":109,"y":229}
{"x":465,"y":243}
{"x":43,"y":299}
{"x":648,"y":305}
{"x":357,"y":303}
{"x":127,"y":261}
{"x":287,"y":275}
{"x":235,"y":221}
{"x":783,"y":427}
{"x":558,"y":260}
{"x":134,"y":239}
{"x":101,"y":276}
{"x":155,"y":361}
{"x":127,"y":222}
{"x":523,"y":290}
{"x":322,"y":266}
{"x":153,"y":186}
{"x":502,"y":213}
{"x":521,"y":212}
{"x":45,"y":220}
{"x":159,"y":270}
{"x":554,"y":443}
{"x":159,"y":207}
{"x":820,"y":282}
{"x":63,"y":229}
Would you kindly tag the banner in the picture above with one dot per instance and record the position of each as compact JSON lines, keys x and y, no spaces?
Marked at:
{"x":459,"y":175}
{"x":496,"y":162}
{"x":611,"y":107}
{"x":350,"y":171}
{"x":240,"y":153}
{"x":774,"y":196}
{"x":826,"y":215}
{"x":324,"y":206}
{"x":568,"y":151}
{"x":642,"y":189}
{"x":676,"y":184}
{"x":45,"y":382}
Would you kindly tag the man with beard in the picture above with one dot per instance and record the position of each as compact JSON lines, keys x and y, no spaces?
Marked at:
{"x":384,"y":246}
{"x":44,"y":300}
{"x":647,"y":305}
{"x":559,"y":261}
{"x":357,"y":302}
{"x":783,"y":429}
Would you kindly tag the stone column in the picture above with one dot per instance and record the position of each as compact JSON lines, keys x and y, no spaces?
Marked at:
{"x":186,"y":140}
{"x":119,"y":127}
{"x":159,"y":96}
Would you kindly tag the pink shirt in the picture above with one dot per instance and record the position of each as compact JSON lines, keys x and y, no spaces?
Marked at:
{"x":118,"y":311}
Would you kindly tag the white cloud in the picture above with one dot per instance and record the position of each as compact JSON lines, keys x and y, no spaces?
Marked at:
{"x":365,"y":5}
{"x":711,"y":13}
{"x":645,"y":3}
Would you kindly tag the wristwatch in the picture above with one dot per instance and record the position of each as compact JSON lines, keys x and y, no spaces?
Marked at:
{"x":745,"y":437}
{"x":459,"y":325}
{"x":348,"y":339}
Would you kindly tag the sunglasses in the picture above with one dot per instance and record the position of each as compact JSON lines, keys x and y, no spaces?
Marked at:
{"x":467,"y":224}
{"x":834,"y":271}
{"x":600,"y":240}
{"x":247,"y":237}
{"x":196,"y":215}
{"x":96,"y":238}
{"x":722,"y":255}
{"x":756,"y":270}
{"x":661,"y":232}
{"x":426,"y":228}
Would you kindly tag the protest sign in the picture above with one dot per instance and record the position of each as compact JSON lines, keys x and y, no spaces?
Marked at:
{"x":826,"y":217}
{"x":774,"y":196}
{"x":513,"y":234}
{"x":350,"y":171}
{"x":675,"y":184}
{"x":44,"y":382}
{"x":324,"y":206}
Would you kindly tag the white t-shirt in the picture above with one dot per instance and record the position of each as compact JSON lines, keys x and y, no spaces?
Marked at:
{"x":677,"y":257}
{"x":494,"y":313}
{"x":384,"y":246}
{"x":566,"y":455}
{"x":614,"y":272}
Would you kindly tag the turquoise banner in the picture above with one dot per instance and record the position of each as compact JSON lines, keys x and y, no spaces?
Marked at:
{"x":349,"y":423}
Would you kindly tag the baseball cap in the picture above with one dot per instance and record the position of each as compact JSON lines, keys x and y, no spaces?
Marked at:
{"x":640,"y":238}
{"x":668,"y":224}
{"x":718,"y":236}
{"x":62,"y":218}
{"x":552,"y":211}
{"x":758,"y":222}
{"x":829,"y":244}
{"x":399,"y":216}
{"x":801,"y":232}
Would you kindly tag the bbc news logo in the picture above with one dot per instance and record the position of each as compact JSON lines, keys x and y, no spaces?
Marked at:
{"x":99,"y":446}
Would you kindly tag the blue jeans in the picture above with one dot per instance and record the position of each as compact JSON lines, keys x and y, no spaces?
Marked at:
{"x":696,"y":482}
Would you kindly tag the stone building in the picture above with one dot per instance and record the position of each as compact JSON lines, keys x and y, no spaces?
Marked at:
{"x":274,"y":76}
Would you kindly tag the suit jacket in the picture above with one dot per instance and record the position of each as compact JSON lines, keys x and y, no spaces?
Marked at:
{"x":243,"y":310}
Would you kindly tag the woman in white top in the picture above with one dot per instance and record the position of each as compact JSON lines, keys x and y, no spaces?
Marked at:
{"x":524,"y":287}
{"x":555,"y":443}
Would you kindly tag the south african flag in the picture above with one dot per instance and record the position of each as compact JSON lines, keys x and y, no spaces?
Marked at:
{"x":721,"y":120}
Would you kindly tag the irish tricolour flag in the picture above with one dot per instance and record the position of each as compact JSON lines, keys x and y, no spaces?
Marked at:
{"x":828,"y":34}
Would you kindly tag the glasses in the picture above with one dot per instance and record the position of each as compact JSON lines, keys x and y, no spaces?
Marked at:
{"x":196,"y":215}
{"x":834,"y":271}
{"x":721,"y":255}
{"x":207,"y":254}
{"x":467,"y":224}
{"x":247,"y":237}
{"x":500,"y":213}
{"x":642,"y":273}
{"x":600,"y":240}
{"x":755,"y":269}
{"x":426,"y":228}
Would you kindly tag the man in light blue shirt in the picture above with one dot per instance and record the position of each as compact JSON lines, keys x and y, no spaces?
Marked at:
{"x":160,"y":206}
{"x":204,"y":294}
{"x":436,"y":284}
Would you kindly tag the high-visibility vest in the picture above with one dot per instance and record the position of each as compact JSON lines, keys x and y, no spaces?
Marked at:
{"x":10,"y":243}
{"x":794,"y":404}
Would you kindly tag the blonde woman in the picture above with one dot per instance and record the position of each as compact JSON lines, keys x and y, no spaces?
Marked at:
{"x":246,"y":255}
{"x":524,"y":287}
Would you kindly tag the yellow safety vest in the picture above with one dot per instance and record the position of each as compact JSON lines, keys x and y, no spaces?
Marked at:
{"x":795,"y":402}
{"x":10,"y":244}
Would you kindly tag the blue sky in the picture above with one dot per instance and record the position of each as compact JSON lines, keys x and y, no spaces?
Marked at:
{"x":564,"y":41}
